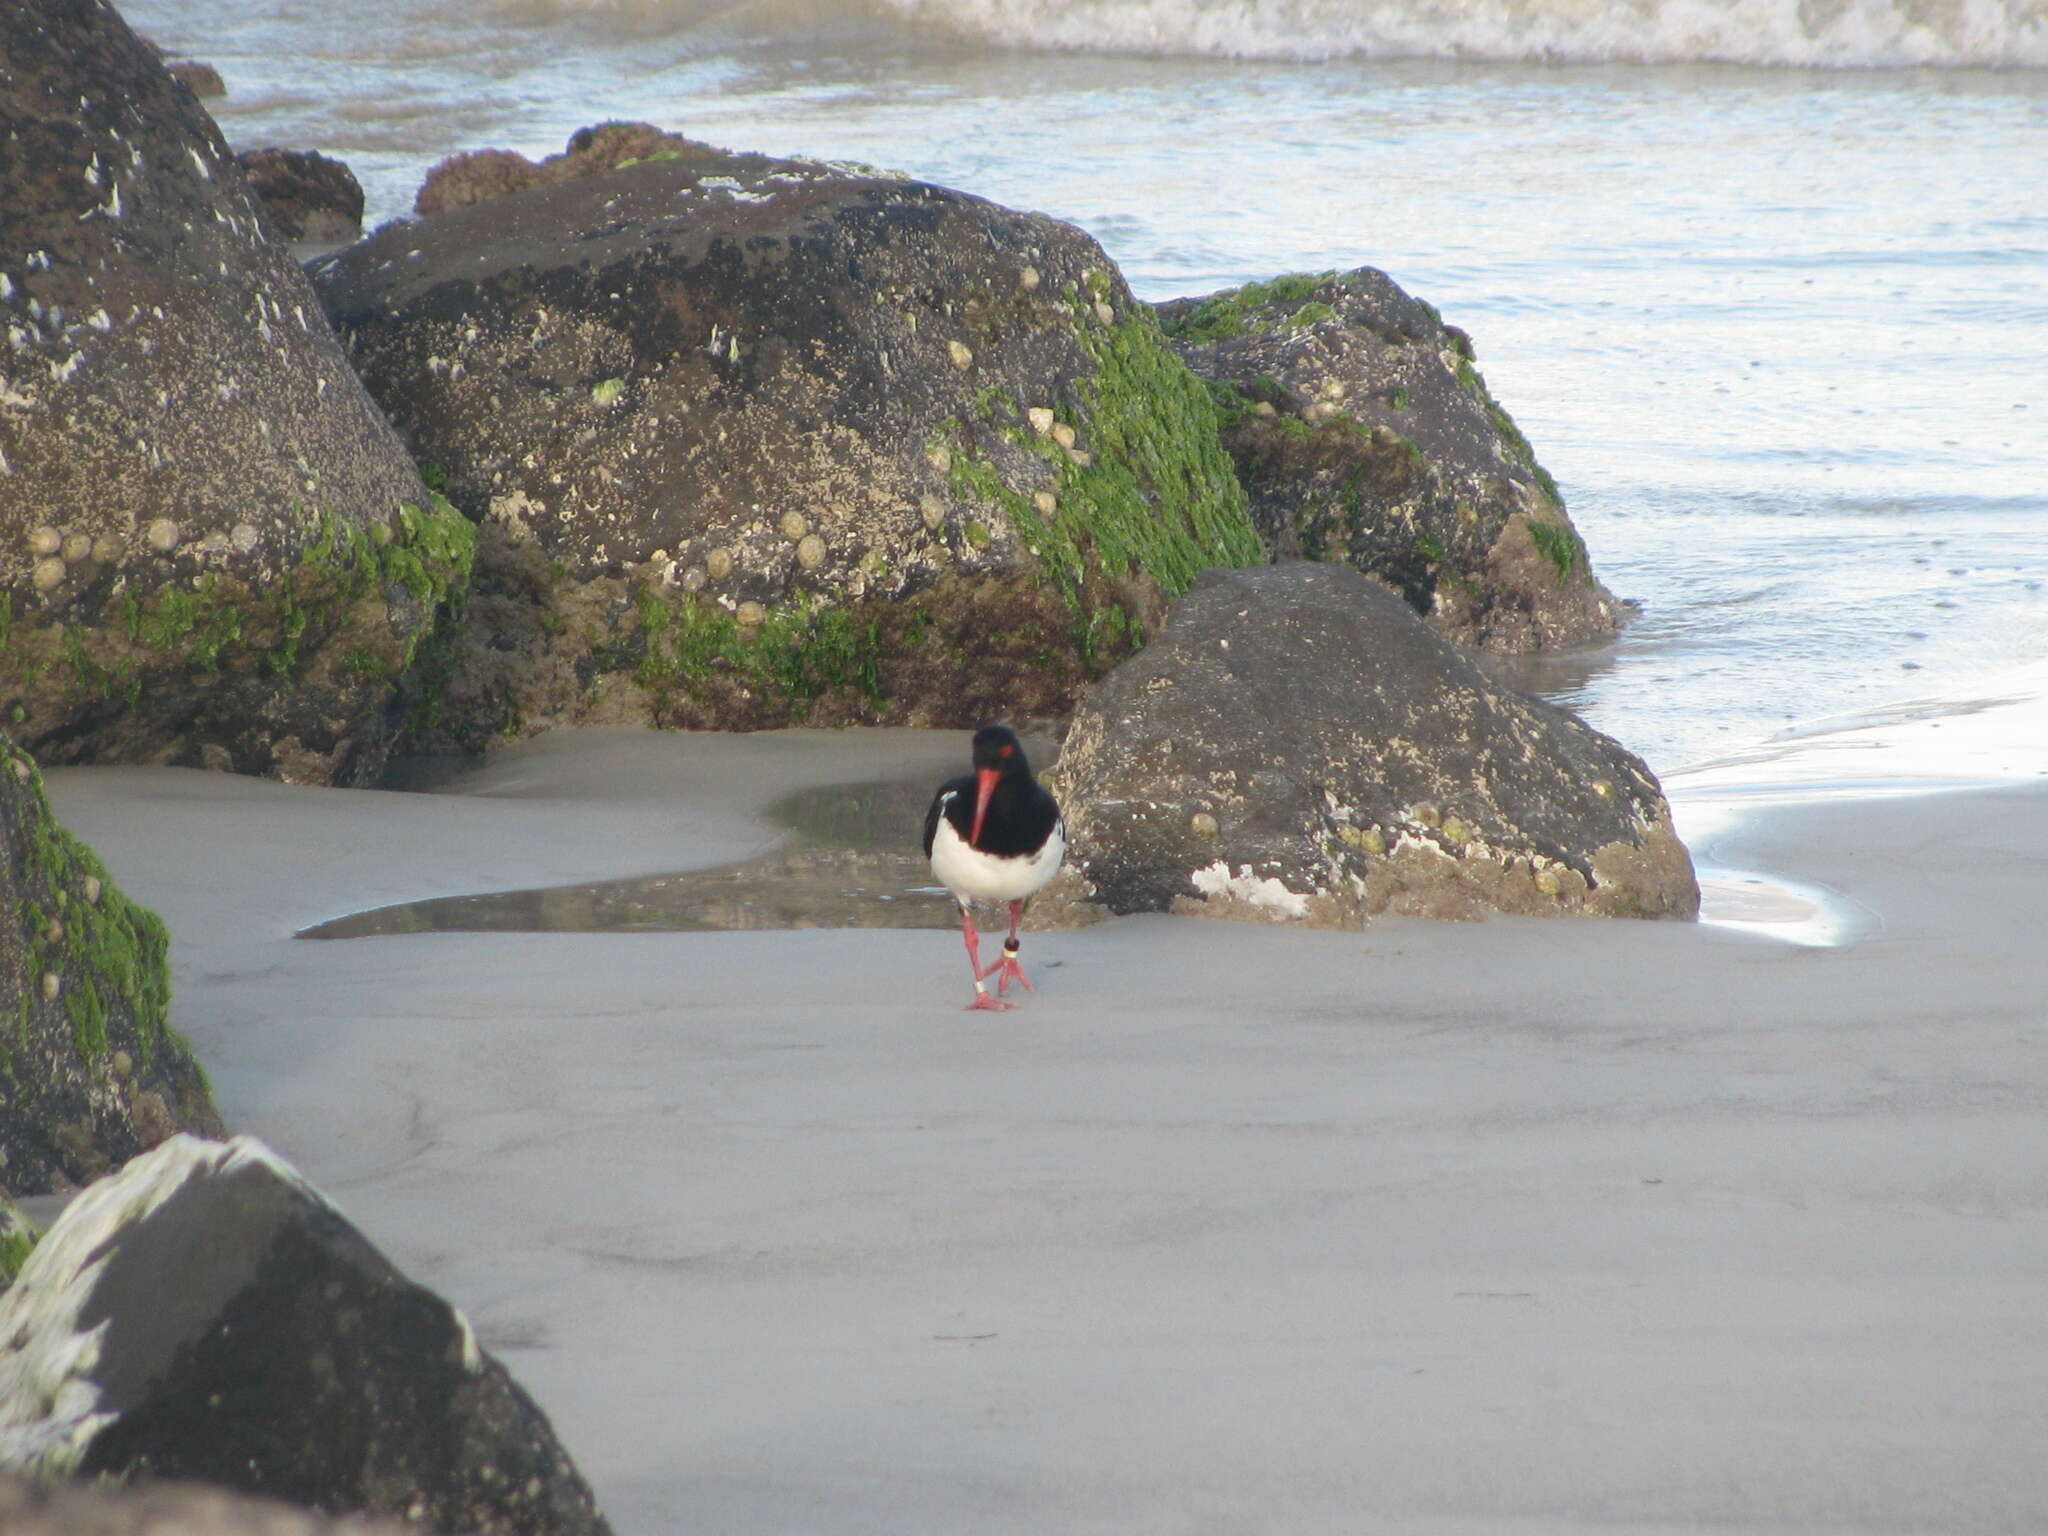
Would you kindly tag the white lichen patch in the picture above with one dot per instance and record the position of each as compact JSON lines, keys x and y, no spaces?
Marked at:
{"x":1267,"y":893}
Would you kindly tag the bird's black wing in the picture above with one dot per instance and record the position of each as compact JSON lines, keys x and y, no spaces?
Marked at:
{"x":958,"y":786}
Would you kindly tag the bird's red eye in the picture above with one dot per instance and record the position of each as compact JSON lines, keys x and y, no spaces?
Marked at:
{"x":1006,"y":752}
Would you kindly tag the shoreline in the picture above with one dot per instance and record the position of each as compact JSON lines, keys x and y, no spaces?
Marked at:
{"x":1994,"y":737}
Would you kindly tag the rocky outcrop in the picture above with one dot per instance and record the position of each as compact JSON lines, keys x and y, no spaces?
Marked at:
{"x":1364,"y":434}
{"x":164,"y":1509}
{"x":243,"y":1333}
{"x":753,"y":441}
{"x":1298,"y":746}
{"x":212,"y":548}
{"x":306,"y":197}
{"x":478,"y":175}
{"x":91,"y":1072}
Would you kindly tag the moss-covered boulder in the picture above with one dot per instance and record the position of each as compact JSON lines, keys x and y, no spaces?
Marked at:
{"x":1364,"y":434}
{"x":1297,"y":745}
{"x":91,"y":1072}
{"x":213,"y":550}
{"x":754,"y":441}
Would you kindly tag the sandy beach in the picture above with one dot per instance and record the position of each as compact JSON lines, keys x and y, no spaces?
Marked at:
{"x":1519,"y":1226}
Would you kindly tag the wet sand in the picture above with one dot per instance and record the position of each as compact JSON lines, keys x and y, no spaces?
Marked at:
{"x":1516,"y":1226}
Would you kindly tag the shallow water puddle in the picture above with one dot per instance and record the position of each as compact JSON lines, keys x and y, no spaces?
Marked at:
{"x":855,"y":862}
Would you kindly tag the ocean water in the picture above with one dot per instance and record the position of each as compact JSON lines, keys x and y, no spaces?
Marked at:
{"x":1764,"y":281}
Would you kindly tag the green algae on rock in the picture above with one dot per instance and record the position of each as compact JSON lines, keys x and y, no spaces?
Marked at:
{"x":1364,"y":434}
{"x":90,"y":1070}
{"x":751,"y":441}
{"x":342,"y":619}
{"x":17,"y":1240}
{"x":192,"y":471}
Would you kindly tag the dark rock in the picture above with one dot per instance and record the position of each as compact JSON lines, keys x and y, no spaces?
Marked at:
{"x":91,"y":1070}
{"x":1298,"y":745}
{"x":202,"y":80}
{"x":478,"y":175}
{"x":213,"y":551}
{"x":164,"y":1509}
{"x":306,"y":196}
{"x":1364,"y":434}
{"x":752,"y":441}
{"x":248,"y":1335}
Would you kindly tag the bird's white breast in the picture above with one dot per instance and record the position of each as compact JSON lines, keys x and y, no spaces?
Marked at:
{"x":973,"y":875}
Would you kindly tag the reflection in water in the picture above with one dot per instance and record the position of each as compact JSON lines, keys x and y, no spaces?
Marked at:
{"x":854,"y":863}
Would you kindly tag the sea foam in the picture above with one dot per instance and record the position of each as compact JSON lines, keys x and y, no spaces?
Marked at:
{"x":1827,"y":34}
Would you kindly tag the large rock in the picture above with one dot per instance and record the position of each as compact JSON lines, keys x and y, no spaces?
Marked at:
{"x":206,"y":1314}
{"x":752,"y":441}
{"x":91,"y":1072}
{"x":1298,"y":746}
{"x":212,"y":548}
{"x":1364,"y":434}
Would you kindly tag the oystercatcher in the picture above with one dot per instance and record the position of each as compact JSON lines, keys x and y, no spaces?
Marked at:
{"x":994,"y":835}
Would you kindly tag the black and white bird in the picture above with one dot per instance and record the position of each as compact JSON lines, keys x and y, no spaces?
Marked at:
{"x":994,"y":835}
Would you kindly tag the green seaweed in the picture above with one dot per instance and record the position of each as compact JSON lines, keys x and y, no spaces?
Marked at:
{"x":1229,"y":313}
{"x":17,"y":1242}
{"x":426,"y":552}
{"x":99,"y":948}
{"x":1157,"y":495}
{"x":1561,"y":546}
{"x":794,"y":655}
{"x":1517,"y":445}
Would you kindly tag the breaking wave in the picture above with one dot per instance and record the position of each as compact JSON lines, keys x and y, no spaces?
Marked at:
{"x":1827,"y":34}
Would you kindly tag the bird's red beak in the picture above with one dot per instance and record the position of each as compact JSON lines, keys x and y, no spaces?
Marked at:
{"x":985,"y":785}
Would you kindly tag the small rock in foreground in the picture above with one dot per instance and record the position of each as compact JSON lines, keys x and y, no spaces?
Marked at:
{"x":206,"y":1314}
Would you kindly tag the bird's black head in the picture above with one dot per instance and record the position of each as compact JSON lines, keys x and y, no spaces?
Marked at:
{"x":997,"y":747}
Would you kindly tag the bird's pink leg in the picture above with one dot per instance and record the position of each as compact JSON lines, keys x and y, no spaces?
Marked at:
{"x":1007,"y":969}
{"x":973,"y":939}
